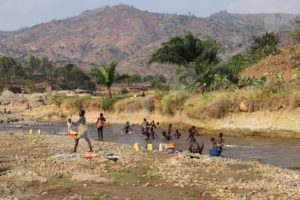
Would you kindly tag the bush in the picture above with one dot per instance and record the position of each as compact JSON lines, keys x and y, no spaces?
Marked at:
{"x":173,"y":102}
{"x":107,"y":103}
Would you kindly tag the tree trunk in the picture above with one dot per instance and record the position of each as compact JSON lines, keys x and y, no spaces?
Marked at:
{"x":109,"y":91}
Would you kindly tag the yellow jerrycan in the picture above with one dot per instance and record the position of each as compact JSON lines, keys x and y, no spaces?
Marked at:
{"x":137,"y":147}
{"x":150,"y":147}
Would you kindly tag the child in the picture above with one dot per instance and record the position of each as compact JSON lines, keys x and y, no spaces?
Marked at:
{"x":221,"y":141}
{"x":177,"y":135}
{"x":153,"y":135}
{"x":70,"y":125}
{"x":152,"y":124}
{"x":170,"y":129}
{"x":100,"y":123}
{"x":195,"y":147}
{"x":166,"y":136}
{"x":144,"y":126}
{"x":127,"y":129}
{"x":215,"y":144}
{"x":157,"y":125}
{"x":83,"y":131}
{"x":192,"y":134}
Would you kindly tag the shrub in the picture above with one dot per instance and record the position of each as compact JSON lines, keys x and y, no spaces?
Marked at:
{"x":107,"y":103}
{"x":173,"y":102}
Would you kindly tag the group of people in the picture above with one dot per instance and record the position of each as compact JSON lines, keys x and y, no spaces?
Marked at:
{"x":148,"y":129}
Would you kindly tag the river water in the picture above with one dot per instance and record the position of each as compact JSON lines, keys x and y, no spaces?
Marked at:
{"x":275,"y":151}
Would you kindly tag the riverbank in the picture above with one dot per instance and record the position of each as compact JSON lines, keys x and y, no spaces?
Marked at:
{"x":39,"y":166}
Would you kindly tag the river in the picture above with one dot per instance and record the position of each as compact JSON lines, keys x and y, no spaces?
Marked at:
{"x":275,"y":151}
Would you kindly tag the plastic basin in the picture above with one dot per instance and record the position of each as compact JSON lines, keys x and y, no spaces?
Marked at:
{"x":214,"y":152}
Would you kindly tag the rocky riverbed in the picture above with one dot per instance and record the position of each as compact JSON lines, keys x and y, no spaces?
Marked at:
{"x":41,"y":167}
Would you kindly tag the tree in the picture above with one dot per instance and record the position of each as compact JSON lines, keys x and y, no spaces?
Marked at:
{"x":70,"y":78}
{"x":185,"y":49}
{"x":232,"y":69}
{"x":199,"y":58}
{"x":296,"y":34}
{"x":264,"y":45}
{"x":105,"y":75}
{"x":10,"y":71}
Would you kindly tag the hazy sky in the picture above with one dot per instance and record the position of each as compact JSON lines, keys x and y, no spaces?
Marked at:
{"x":15,"y":14}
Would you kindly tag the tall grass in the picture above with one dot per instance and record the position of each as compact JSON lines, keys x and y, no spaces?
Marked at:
{"x":74,"y":104}
{"x":173,"y":102}
{"x":212,"y":105}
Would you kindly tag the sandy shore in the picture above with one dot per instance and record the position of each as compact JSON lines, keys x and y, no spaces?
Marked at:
{"x":41,"y":167}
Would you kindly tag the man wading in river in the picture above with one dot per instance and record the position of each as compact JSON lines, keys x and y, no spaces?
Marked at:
{"x":82,"y":131}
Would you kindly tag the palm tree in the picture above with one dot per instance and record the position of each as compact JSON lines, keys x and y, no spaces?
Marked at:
{"x":105,"y":75}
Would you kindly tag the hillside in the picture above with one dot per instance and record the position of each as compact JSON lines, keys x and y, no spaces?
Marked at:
{"x":287,"y":62}
{"x":130,"y":35}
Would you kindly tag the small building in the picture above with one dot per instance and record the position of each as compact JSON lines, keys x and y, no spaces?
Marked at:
{"x":46,"y":87}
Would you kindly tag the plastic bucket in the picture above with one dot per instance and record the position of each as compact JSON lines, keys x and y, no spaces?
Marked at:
{"x":137,"y":147}
{"x":72,"y":134}
{"x":214,"y":152}
{"x":161,"y":147}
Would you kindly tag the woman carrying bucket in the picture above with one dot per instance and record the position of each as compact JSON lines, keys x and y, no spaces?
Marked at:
{"x":100,"y":123}
{"x":82,"y":131}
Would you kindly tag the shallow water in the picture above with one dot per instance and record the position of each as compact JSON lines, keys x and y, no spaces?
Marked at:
{"x":275,"y":151}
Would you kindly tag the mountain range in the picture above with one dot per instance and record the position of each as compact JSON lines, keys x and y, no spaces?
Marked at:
{"x":130,"y":36}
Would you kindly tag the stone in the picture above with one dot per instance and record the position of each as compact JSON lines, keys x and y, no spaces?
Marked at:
{"x":147,"y":184}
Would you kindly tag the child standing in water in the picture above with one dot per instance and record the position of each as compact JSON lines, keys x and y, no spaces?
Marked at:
{"x":100,"y":124}
{"x":70,"y":125}
{"x":192,"y":134}
{"x":153,"y":135}
{"x":82,"y":131}
{"x":221,"y":141}
{"x":144,"y":126}
{"x":169,"y":132}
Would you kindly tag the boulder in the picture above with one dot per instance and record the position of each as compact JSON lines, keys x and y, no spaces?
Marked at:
{"x":243,"y":107}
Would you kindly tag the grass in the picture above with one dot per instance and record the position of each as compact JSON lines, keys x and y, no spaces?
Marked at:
{"x":212,"y":105}
{"x":173,"y":102}
{"x":74,"y":104}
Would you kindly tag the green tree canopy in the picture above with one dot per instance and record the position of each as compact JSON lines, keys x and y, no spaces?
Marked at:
{"x":70,"y":77}
{"x":185,"y":49}
{"x":264,"y":45}
{"x":10,"y":70}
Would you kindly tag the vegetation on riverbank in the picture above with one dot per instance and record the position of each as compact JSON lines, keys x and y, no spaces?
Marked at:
{"x":211,"y":105}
